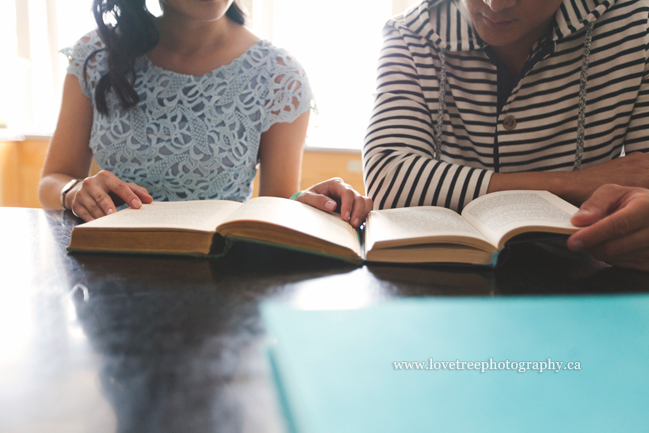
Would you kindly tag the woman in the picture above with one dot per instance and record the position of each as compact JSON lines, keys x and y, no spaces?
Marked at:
{"x":478,"y":96}
{"x":181,"y":107}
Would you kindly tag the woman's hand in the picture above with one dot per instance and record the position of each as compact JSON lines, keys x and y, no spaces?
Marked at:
{"x":99,"y":195}
{"x":335,"y":194}
{"x":616,"y":226}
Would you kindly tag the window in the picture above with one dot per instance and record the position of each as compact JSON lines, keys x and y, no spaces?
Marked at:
{"x":31,"y":77}
{"x":336,"y":42}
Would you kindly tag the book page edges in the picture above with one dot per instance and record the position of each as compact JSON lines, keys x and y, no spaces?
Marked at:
{"x":287,"y":216}
{"x":358,"y":261}
{"x":454,"y":239}
{"x":255,"y":231}
{"x":540,"y":228}
{"x":437,"y":254}
{"x":163,"y":241}
{"x":195,"y":255}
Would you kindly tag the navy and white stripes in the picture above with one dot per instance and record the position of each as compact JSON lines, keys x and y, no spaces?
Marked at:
{"x":435,"y":40}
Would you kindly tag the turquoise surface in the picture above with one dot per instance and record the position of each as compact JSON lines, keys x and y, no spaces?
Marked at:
{"x":335,"y":369}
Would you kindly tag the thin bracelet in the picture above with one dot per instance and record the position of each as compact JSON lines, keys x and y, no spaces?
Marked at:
{"x":64,"y":192}
{"x":296,"y":195}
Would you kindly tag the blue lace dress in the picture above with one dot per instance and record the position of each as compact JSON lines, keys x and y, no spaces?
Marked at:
{"x":192,"y":138}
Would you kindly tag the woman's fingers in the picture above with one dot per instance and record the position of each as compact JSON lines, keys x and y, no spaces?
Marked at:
{"x":100,"y":197}
{"x":85,"y":207}
{"x":141,"y":192}
{"x":326,"y":196}
{"x":80,"y":211}
{"x":122,"y":190}
{"x":318,"y":201}
{"x":346,"y":195}
{"x":362,"y":207}
{"x":95,"y":197}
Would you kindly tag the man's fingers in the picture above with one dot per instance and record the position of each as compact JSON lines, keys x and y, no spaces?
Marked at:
{"x":623,"y":222}
{"x":318,"y":201}
{"x":603,"y":201}
{"x":626,"y":245}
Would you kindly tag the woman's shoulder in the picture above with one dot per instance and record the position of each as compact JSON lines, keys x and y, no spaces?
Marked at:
{"x":87,"y":59}
{"x":262,"y":53}
{"x":84,"y":46}
{"x":287,"y":90}
{"x":275,"y":60}
{"x":88,"y":48}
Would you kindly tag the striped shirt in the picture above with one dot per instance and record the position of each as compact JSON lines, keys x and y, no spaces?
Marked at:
{"x":536,"y":126}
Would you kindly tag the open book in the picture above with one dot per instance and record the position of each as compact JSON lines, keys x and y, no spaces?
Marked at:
{"x":408,"y":235}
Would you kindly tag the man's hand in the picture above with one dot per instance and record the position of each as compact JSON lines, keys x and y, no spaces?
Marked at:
{"x":616,"y":226}
{"x":630,"y":170}
{"x":578,"y":186}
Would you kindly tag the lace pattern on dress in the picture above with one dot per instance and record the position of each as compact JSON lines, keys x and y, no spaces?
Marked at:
{"x":190,"y":137}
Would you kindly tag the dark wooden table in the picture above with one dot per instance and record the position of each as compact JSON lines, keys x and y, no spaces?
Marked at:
{"x":109,"y":343}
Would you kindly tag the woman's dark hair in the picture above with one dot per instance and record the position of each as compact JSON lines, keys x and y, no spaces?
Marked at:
{"x":133,"y":34}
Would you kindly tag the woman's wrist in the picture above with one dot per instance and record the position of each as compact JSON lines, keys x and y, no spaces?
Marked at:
{"x":68,"y":193}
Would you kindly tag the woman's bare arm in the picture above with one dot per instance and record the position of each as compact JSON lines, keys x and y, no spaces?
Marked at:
{"x":68,"y":155}
{"x":280,"y":153}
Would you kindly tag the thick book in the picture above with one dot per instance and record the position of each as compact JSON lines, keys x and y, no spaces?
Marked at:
{"x":424,"y":234}
{"x":553,"y":364}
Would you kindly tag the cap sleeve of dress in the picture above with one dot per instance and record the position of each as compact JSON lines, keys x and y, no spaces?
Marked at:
{"x":86,"y":48}
{"x":289,"y":93}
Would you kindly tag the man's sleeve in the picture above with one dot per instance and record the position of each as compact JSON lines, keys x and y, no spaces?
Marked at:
{"x":400,"y":167}
{"x":637,"y":134}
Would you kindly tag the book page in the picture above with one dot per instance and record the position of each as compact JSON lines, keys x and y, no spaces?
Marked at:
{"x":299,"y":217}
{"x":498,"y":213}
{"x":200,"y":215}
{"x":394,"y":225}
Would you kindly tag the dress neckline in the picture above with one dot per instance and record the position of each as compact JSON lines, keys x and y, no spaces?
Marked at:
{"x":222,"y":68}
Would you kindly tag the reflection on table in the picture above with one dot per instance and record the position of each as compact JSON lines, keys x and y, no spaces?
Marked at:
{"x":105,"y":343}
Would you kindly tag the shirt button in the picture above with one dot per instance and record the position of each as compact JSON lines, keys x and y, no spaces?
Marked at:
{"x":509,"y":123}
